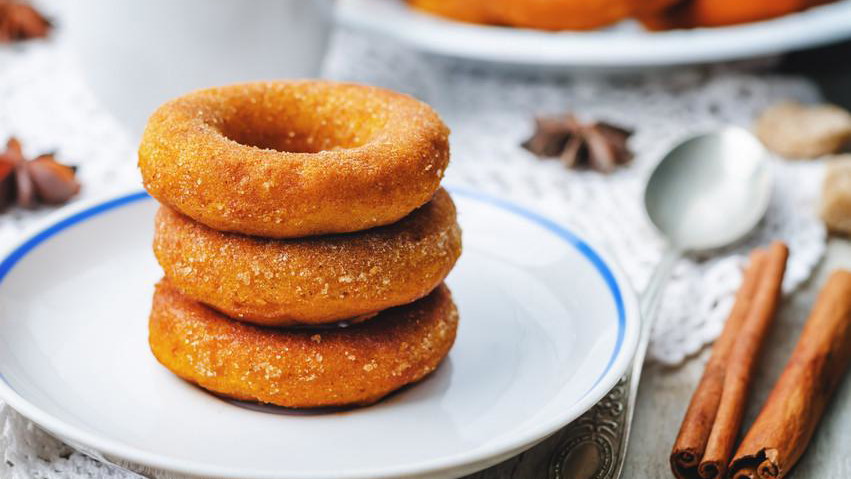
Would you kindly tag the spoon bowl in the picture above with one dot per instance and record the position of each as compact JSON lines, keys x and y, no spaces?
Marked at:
{"x":710,"y":190}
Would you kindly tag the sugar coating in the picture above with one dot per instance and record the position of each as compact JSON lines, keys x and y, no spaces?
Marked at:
{"x":836,"y":195}
{"x":294,"y":158}
{"x":310,"y":280}
{"x":301,"y":368}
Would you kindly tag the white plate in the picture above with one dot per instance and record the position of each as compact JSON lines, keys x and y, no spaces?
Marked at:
{"x":626,"y":45}
{"x":547,"y":328}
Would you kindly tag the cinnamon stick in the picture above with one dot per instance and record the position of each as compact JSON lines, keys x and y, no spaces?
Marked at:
{"x":784,"y":427}
{"x":697,"y":424}
{"x":738,"y":376}
{"x":706,"y":438}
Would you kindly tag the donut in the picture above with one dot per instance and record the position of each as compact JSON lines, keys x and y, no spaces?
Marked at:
{"x":289,"y":159}
{"x":470,"y":11}
{"x":357,"y":365}
{"x":314,"y":280}
{"x":562,"y":14}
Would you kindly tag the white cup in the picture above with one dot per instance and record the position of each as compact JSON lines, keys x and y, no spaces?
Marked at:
{"x":136,"y":54}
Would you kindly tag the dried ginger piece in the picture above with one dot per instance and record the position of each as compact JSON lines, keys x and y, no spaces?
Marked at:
{"x":796,"y":130}
{"x":836,"y":195}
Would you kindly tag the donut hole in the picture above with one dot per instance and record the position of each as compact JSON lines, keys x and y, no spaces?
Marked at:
{"x":288,"y":139}
{"x":301,"y":127}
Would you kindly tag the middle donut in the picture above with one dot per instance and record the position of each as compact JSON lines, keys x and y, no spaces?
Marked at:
{"x":312,"y":280}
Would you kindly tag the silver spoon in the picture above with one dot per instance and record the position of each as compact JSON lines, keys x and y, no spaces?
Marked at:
{"x":708,"y":192}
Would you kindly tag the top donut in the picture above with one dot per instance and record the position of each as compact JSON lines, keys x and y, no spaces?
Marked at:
{"x":288,"y":159}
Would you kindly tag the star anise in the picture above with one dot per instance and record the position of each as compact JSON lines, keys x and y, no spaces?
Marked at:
{"x":597,"y":145}
{"x":20,"y":21}
{"x":30,"y":182}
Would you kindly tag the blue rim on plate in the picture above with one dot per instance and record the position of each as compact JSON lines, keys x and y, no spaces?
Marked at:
{"x":584,"y":248}
{"x":625,"y":305}
{"x":12,"y":259}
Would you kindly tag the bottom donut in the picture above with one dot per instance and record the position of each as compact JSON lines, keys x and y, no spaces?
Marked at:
{"x":300,"y":368}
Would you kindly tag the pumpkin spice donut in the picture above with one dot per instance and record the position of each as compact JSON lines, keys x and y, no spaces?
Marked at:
{"x":289,"y":159}
{"x":562,"y":14}
{"x":321,"y":279}
{"x":357,"y":365}
{"x":471,"y":11}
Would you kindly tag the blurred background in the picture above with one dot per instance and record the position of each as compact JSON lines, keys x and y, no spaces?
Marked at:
{"x":81,"y":77}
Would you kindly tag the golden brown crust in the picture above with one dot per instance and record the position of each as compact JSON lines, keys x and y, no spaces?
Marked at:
{"x":294,"y":158}
{"x":300,"y":368}
{"x":311,"y":280}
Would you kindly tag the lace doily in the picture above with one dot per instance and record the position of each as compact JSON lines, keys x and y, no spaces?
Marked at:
{"x":46,"y":103}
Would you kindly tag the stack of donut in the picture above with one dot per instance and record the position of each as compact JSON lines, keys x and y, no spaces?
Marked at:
{"x":304,"y":238}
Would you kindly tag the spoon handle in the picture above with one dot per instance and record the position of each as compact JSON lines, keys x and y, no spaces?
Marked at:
{"x":594,"y":446}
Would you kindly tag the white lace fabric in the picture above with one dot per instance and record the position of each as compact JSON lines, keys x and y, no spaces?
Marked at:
{"x":45,"y":102}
